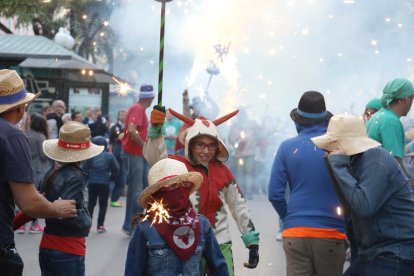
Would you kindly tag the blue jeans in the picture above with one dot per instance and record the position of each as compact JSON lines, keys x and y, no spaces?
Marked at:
{"x":120,"y":180}
{"x":382,"y":265}
{"x":137,"y":168}
{"x":10,"y":262}
{"x":58,"y":263}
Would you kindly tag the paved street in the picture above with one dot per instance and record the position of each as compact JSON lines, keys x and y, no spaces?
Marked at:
{"x":106,"y":252}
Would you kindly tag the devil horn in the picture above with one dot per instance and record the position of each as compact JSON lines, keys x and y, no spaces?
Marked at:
{"x":182,"y":117}
{"x":221,"y":120}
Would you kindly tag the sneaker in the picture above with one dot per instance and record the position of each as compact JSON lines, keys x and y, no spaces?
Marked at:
{"x":117,"y":204}
{"x":36,"y":229}
{"x":22,"y":229}
{"x":279,"y":236}
{"x":101,"y":229}
{"x":126,"y":232}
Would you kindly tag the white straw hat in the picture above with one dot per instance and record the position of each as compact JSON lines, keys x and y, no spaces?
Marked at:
{"x":166,"y":172}
{"x":73,"y":144}
{"x":348,"y":133}
{"x":12,"y":91}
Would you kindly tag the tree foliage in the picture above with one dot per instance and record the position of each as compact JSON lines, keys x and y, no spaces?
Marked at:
{"x":85,"y":19}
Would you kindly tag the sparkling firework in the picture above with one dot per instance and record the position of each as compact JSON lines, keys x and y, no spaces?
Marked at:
{"x":122,"y":88}
{"x":158,"y":212}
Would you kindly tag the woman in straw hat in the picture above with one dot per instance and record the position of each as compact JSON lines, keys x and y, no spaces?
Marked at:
{"x":16,"y":172}
{"x":376,"y":193}
{"x":63,"y":247}
{"x":205,"y":152}
{"x":175,"y":243}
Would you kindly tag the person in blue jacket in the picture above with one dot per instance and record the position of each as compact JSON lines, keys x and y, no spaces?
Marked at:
{"x":314,"y":236}
{"x":172,"y":239}
{"x":99,"y":170}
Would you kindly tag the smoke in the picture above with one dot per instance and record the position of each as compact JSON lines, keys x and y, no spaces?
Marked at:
{"x":347,"y":50}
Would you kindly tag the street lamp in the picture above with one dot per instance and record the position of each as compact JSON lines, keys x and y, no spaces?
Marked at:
{"x":64,"y":39}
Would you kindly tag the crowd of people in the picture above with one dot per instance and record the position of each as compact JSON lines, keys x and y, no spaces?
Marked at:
{"x":342,"y":183}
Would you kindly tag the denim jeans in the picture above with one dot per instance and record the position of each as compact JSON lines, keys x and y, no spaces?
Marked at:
{"x":10,"y":262}
{"x":100,"y":191}
{"x":381,"y":265}
{"x":137,"y":180}
{"x":58,"y":263}
{"x":120,"y":180}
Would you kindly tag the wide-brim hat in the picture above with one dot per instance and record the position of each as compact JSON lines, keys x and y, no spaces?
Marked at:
{"x":345,"y":132}
{"x":73,"y":145}
{"x":311,"y":109}
{"x":12,"y":91}
{"x":165,"y":173}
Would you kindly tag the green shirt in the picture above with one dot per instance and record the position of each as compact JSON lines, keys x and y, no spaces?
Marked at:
{"x":386,"y":128}
{"x":171,"y":129}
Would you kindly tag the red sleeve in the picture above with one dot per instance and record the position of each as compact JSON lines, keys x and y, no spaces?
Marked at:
{"x":137,"y":116}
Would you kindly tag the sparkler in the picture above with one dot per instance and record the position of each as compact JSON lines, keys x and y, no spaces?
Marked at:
{"x":158,"y":213}
{"x":161,"y":63}
{"x":122,"y":87}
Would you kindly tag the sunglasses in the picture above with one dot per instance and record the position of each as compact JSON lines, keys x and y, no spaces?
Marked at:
{"x":202,"y":146}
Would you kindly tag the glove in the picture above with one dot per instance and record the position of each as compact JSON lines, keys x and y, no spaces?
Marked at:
{"x":253,"y":256}
{"x":158,"y":115}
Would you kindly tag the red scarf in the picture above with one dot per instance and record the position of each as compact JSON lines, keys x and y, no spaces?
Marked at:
{"x":182,"y":230}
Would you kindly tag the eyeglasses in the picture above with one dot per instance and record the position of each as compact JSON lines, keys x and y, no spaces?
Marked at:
{"x":185,"y":184}
{"x":202,"y":146}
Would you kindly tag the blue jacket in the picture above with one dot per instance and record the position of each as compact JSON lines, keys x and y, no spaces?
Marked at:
{"x":381,"y":201}
{"x":100,"y":168}
{"x":299,"y":164}
{"x":148,"y":254}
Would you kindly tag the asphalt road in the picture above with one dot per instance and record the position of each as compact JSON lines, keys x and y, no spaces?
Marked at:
{"x":106,"y":252}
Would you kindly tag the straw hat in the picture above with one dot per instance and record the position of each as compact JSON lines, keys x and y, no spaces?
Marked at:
{"x":73,"y":144}
{"x":348,"y":133}
{"x":166,"y":172}
{"x":12,"y":91}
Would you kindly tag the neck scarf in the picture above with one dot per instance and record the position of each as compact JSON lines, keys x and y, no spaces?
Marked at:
{"x":182,"y":230}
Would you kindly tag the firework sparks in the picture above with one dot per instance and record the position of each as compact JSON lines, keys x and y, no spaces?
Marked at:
{"x":122,"y":88}
{"x":158,"y":213}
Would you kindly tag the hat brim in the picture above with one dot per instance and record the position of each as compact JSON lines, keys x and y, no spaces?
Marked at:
{"x":351,"y":145}
{"x":194,"y":177}
{"x":294,"y":115}
{"x":54,"y":152}
{"x":30,"y":97}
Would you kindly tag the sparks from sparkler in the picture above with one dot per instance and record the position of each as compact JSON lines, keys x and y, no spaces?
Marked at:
{"x":339,"y":211}
{"x":158,"y":212}
{"x":122,"y":88}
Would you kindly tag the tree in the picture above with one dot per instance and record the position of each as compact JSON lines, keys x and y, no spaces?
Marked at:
{"x":87,"y":21}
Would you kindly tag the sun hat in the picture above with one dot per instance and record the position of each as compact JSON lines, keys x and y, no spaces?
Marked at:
{"x":398,"y":88}
{"x":12,"y":91}
{"x":374,"y":103}
{"x":311,"y":109}
{"x":73,"y":144}
{"x":346,"y":132}
{"x":146,"y":91}
{"x":166,"y":172}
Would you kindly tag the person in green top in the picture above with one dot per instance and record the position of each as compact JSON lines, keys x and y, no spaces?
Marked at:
{"x":385,"y":125}
{"x":372,"y":106}
{"x":172,"y":127}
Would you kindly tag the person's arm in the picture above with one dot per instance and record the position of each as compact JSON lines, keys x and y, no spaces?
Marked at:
{"x":137,"y":256}
{"x":367,"y":194}
{"x":134,"y":134}
{"x":277,"y":184}
{"x":212,"y":253}
{"x":35,"y":205}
